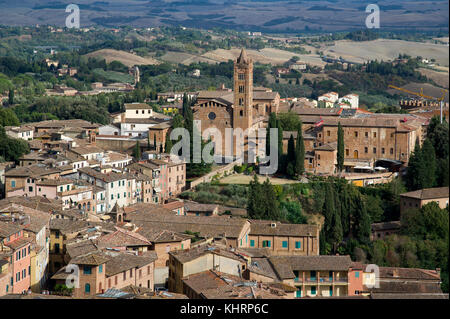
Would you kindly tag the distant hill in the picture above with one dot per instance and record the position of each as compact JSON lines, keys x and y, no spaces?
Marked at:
{"x":126,"y":58}
{"x":243,"y":15}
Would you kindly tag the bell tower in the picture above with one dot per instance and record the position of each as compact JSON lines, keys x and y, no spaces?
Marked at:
{"x":243,"y":92}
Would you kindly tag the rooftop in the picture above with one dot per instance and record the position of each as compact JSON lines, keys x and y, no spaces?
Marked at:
{"x":428,"y":193}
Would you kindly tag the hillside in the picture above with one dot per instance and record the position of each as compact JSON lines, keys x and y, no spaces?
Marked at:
{"x":126,"y":58}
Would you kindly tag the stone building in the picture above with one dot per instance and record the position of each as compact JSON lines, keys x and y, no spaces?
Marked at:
{"x":416,"y":199}
{"x":244,"y":108}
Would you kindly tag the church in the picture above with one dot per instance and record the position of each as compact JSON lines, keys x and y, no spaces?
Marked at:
{"x":245,"y":107}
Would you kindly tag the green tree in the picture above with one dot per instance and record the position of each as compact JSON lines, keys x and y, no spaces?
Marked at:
{"x":429,"y":160}
{"x":300,"y":152}
{"x":11,"y":97}
{"x":291,"y":154}
{"x":340,"y":148}
{"x":137,"y":151}
{"x":168,"y":146}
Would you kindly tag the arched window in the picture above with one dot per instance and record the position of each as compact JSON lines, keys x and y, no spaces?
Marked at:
{"x":87,"y":288}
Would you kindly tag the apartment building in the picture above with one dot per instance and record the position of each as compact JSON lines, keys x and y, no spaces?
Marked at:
{"x":15,"y":249}
{"x":100,"y":271}
{"x":119,"y":189}
{"x":183,"y":263}
{"x":416,"y":199}
{"x":312,"y":276}
{"x":284,"y":239}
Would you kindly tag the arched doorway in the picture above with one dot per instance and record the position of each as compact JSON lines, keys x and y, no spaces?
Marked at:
{"x":355,"y":154}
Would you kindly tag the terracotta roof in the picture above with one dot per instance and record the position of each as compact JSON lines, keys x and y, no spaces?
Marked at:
{"x":280,"y":229}
{"x":206,"y":226}
{"x":68,"y":226}
{"x":94,"y":259}
{"x":285,"y":265}
{"x":80,"y":248}
{"x":137,"y":106}
{"x":327,"y":147}
{"x":122,"y":238}
{"x":18,"y":243}
{"x":386,"y":225}
{"x":190,"y":206}
{"x":126,"y":261}
{"x":161,"y":236}
{"x":428,"y":193}
{"x":8,"y":229}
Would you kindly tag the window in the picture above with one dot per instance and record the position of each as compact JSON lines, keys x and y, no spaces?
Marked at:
{"x":312,"y":275}
{"x":13,"y":183}
{"x":87,"y":270}
{"x":115,"y":280}
{"x":100,"y":269}
{"x":374,"y":150}
{"x":87,"y":288}
{"x":285,"y":244}
{"x":313,"y":290}
{"x":266,"y":243}
{"x":241,"y":89}
{"x":382,"y":150}
{"x":391,"y":151}
{"x":56,"y":234}
{"x":124,"y":276}
{"x":241,"y":76}
{"x":328,"y":133}
{"x":366,"y":150}
{"x":366,"y":134}
{"x":357,"y":274}
{"x":56,"y":248}
{"x":30,"y":188}
{"x":347,"y":152}
{"x":298,"y":245}
{"x":131,"y":273}
{"x":374,"y":134}
{"x":356,"y":134}
{"x":252,"y":243}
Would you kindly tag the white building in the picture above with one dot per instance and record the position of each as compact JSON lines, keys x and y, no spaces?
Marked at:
{"x":138,"y":111}
{"x":350,"y":100}
{"x":328,"y":99}
{"x":23,"y":132}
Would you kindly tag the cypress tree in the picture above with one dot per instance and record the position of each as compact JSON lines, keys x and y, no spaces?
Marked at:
{"x":11,"y":97}
{"x":255,"y":201}
{"x":137,"y":151}
{"x":291,"y":149}
{"x":429,"y":165}
{"x":340,"y":148}
{"x":154,"y":141}
{"x":300,"y":152}
{"x":168,"y":146}
{"x":271,"y":207}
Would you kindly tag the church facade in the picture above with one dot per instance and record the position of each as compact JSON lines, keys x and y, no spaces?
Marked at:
{"x":245,"y":107}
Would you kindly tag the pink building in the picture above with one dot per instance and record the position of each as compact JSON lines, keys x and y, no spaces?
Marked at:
{"x":16,"y":249}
